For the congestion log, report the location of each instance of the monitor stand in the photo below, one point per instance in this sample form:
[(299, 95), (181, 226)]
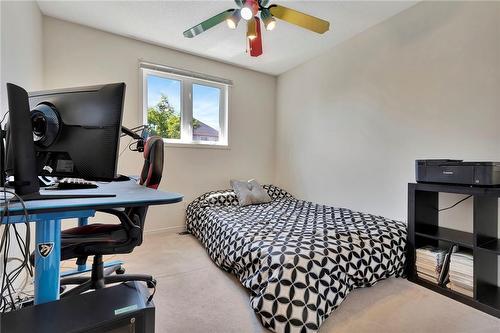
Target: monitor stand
[(121, 178)]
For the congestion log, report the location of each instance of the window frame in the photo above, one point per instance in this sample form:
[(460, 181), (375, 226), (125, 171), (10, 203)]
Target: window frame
[(186, 112)]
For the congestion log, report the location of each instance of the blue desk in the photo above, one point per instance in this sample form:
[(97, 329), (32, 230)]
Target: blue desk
[(47, 214)]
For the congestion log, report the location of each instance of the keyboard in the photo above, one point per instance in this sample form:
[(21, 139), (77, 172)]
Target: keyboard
[(75, 184)]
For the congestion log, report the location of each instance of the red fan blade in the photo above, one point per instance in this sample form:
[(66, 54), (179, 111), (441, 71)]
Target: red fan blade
[(256, 43)]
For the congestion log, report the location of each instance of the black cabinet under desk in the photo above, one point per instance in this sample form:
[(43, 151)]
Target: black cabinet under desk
[(483, 242)]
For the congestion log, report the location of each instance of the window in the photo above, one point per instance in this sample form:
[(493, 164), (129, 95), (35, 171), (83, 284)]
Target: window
[(184, 109)]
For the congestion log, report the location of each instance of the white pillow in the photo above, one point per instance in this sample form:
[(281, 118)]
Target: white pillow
[(250, 192)]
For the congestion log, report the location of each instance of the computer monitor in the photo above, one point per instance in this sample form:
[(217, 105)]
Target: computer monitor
[(76, 131)]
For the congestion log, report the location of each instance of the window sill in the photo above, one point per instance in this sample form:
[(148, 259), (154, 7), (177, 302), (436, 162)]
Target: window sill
[(196, 145)]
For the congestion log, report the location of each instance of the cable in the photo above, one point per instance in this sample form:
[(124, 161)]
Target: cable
[(3, 118), (130, 146), (456, 204), (25, 281), (150, 298), (5, 246), (10, 297), (125, 148)]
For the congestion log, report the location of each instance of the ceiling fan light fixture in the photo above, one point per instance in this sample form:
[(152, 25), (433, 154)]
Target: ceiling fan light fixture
[(246, 13), (271, 24), (252, 29), (249, 10), (233, 20), (268, 19)]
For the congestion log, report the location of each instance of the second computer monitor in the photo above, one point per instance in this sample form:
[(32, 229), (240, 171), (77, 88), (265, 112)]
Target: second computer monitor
[(77, 131)]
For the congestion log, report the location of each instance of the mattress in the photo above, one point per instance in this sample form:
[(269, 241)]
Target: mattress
[(298, 259)]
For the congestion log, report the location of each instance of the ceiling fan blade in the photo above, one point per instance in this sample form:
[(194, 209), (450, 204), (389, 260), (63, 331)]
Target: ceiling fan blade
[(264, 3), (240, 3), (207, 24), (302, 20), (256, 43)]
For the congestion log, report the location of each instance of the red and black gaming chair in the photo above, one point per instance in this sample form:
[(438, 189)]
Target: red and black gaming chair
[(99, 239)]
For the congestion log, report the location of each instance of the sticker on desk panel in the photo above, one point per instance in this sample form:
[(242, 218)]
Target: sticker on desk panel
[(45, 249), (126, 309)]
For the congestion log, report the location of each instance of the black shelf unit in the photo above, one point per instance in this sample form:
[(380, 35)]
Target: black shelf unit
[(483, 242)]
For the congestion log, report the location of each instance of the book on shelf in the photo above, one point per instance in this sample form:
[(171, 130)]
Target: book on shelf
[(459, 289), (464, 285), (429, 261), (427, 277), (461, 273)]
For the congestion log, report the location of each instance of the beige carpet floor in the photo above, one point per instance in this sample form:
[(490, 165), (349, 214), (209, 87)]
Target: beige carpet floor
[(196, 296)]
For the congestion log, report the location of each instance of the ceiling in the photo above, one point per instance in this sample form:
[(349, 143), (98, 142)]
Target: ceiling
[(162, 23)]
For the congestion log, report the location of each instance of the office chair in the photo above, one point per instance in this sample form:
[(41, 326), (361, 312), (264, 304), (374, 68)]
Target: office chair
[(98, 239)]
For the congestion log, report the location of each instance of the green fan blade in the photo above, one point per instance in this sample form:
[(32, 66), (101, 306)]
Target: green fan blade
[(264, 3), (240, 3), (207, 24)]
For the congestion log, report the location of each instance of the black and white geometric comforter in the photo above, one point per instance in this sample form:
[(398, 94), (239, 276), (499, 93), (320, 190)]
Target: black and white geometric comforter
[(298, 259)]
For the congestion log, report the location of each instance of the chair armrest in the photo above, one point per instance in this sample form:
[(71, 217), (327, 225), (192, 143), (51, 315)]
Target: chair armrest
[(122, 216)]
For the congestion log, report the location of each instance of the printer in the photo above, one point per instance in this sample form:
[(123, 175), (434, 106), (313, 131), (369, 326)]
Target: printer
[(458, 172)]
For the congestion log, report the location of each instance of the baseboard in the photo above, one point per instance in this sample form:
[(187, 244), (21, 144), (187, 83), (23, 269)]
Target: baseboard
[(167, 230)]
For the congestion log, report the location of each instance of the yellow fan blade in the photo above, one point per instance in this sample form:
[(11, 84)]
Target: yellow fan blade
[(302, 20)]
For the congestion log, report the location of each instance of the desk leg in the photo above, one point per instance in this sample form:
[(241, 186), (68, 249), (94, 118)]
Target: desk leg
[(82, 221), (47, 260)]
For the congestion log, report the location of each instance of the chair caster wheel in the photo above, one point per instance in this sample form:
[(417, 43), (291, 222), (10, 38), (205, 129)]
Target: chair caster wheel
[(151, 284), (120, 270)]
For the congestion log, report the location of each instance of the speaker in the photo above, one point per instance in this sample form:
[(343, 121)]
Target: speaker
[(21, 139)]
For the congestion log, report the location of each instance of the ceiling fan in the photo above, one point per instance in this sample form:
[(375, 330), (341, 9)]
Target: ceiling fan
[(249, 11)]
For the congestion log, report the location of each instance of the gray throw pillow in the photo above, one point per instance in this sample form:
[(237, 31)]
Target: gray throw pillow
[(250, 192)]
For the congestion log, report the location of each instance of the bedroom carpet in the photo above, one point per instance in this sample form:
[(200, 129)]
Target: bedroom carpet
[(196, 296)]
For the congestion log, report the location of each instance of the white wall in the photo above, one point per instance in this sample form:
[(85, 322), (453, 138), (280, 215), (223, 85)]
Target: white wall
[(20, 62), (423, 84), (21, 47), (75, 55)]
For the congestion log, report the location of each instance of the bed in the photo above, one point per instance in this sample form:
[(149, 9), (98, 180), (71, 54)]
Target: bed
[(298, 259)]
